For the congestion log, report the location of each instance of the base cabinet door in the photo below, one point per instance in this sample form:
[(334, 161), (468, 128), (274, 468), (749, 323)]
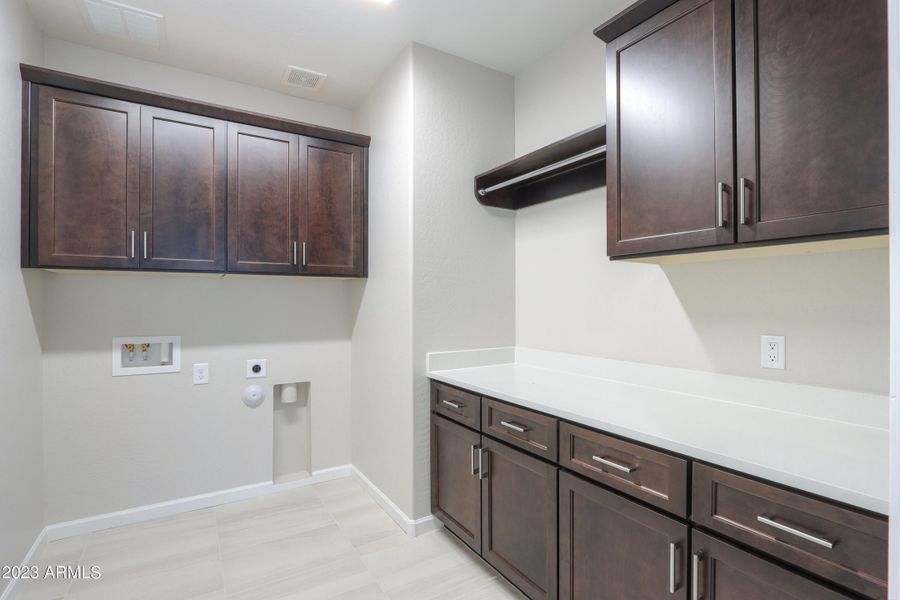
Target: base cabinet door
[(519, 519), (86, 180), (724, 572), (182, 191), (455, 485), (612, 548)]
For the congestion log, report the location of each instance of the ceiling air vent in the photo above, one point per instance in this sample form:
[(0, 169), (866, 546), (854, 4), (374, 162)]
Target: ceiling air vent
[(126, 22), (303, 78)]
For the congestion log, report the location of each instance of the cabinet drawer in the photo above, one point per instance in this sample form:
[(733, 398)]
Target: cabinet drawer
[(520, 427), (837, 543), (649, 475), (463, 407)]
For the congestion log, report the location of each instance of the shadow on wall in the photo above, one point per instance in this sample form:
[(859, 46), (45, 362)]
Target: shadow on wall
[(832, 307), (83, 311)]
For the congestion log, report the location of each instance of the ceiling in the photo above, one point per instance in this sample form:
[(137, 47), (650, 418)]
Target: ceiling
[(353, 41)]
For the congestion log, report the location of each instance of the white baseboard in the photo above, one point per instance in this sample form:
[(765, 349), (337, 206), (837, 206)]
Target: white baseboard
[(39, 541), (149, 512), (412, 527)]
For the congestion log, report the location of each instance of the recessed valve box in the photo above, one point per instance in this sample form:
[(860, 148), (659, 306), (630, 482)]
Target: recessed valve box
[(146, 355)]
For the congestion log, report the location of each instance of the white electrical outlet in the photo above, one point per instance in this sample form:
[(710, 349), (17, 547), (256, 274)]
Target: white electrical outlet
[(201, 373), (256, 368), (772, 352)]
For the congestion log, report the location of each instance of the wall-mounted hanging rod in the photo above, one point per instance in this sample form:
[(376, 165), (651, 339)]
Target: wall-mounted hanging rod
[(542, 170)]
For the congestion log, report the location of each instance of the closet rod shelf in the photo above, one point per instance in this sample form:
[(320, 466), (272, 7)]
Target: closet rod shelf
[(571, 165)]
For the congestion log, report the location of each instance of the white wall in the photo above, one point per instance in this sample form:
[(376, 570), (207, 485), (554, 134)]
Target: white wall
[(112, 444), (382, 335), (21, 452), (463, 252), (108, 66), (441, 266), (833, 308)]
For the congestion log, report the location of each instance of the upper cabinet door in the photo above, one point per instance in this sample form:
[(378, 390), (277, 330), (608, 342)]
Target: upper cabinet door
[(670, 131), (263, 200), (182, 191), (812, 117), (86, 180), (333, 220)]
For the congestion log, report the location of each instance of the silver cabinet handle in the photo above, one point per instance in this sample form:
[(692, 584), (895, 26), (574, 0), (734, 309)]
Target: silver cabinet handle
[(514, 426), (673, 549), (474, 449), (145, 245), (481, 471), (613, 464), (132, 243), (720, 207), (695, 575), (304, 254), (294, 259), (742, 201), (800, 534), (451, 404)]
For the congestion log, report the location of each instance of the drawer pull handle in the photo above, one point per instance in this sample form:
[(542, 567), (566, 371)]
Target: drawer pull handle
[(673, 550), (696, 559), (800, 534), (452, 404), (514, 426), (613, 464)]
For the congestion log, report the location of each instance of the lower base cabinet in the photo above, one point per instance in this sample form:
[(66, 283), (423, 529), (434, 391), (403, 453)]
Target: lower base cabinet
[(518, 518), (611, 548), (455, 484), (724, 572)]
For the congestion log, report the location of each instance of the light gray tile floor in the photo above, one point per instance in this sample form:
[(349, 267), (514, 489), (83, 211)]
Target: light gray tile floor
[(328, 541)]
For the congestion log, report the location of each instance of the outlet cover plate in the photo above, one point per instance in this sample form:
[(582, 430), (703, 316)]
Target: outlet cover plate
[(261, 372), (201, 373), (772, 351)]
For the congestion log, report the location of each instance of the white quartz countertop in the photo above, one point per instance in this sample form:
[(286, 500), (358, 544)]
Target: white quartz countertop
[(828, 442)]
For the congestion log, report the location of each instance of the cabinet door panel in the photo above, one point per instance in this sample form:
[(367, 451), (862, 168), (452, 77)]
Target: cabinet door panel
[(727, 573), (263, 200), (812, 116), (611, 548), (332, 222), (669, 91), (87, 180), (455, 487), (182, 191), (519, 520)]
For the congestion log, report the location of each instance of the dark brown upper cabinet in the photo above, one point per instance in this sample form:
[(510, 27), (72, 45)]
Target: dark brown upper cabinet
[(669, 137), (766, 125), (119, 178), (85, 157), (332, 211), (263, 200), (182, 191), (812, 117)]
